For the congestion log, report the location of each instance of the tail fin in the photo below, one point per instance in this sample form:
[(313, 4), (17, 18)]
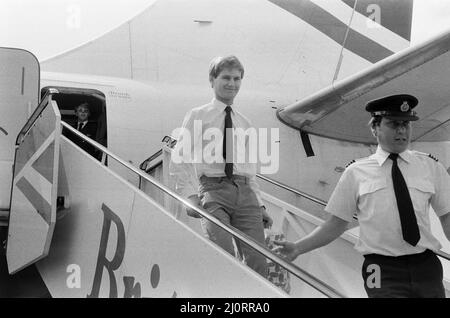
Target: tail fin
[(371, 29), (395, 15), (386, 31)]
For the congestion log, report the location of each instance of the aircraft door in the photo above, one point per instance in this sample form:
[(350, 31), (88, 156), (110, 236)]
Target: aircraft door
[(35, 182), (19, 94)]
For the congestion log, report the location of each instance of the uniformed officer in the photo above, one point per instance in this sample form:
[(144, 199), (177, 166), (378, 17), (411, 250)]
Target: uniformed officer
[(391, 191)]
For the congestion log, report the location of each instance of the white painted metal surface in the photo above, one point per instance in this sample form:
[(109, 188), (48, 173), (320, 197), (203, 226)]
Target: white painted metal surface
[(19, 93), (338, 111), (33, 205), (122, 243)]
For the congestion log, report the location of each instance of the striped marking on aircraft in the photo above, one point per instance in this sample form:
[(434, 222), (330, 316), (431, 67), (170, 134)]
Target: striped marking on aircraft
[(34, 185), (335, 29), (360, 23)]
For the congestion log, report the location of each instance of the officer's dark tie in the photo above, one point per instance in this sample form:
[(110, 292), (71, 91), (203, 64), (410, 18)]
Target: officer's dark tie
[(79, 126), (228, 144), (410, 229)]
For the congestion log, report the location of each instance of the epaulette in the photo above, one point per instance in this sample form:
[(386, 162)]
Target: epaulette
[(429, 155), (433, 157), (348, 164)]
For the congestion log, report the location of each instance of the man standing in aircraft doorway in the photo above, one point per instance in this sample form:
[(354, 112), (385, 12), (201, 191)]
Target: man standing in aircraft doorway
[(86, 127), (227, 189), (391, 191)]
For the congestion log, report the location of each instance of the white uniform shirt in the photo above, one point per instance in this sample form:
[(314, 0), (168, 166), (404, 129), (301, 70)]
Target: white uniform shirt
[(211, 115), (366, 188)]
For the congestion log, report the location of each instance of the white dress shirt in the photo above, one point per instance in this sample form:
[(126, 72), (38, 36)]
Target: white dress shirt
[(366, 188), (197, 122)]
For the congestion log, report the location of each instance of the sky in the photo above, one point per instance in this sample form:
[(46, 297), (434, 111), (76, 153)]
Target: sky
[(430, 17), (35, 24), (38, 23)]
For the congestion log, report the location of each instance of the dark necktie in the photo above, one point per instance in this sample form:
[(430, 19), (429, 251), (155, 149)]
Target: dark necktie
[(79, 126), (228, 144), (410, 229)]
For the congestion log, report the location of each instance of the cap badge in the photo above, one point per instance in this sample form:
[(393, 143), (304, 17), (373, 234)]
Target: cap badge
[(404, 107)]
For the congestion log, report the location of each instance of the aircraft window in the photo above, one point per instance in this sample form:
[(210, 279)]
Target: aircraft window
[(69, 98)]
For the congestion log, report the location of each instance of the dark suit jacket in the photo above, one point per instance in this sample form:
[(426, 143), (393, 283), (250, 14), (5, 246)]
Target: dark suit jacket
[(90, 130)]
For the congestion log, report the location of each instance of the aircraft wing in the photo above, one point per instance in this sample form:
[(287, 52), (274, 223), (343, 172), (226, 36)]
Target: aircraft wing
[(338, 111)]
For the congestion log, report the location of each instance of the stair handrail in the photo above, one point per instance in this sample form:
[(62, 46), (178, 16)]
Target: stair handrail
[(440, 253), (36, 113), (304, 276), (290, 189)]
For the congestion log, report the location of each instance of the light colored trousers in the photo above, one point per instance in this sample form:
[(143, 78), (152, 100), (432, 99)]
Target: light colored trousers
[(233, 202)]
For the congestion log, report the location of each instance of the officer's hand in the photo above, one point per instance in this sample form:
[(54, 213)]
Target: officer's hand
[(267, 220), (195, 200), (287, 250)]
